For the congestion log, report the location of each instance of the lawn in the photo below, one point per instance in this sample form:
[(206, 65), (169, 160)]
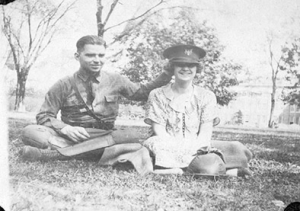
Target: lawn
[(82, 185)]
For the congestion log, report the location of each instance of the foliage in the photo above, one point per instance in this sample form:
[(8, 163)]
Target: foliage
[(144, 47), (237, 119), (83, 185), (291, 58)]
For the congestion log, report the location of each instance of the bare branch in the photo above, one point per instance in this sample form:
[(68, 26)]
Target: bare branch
[(143, 20), (19, 43), (40, 50), (46, 28), (28, 14), (45, 20), (135, 18), (7, 32), (62, 14), (113, 5)]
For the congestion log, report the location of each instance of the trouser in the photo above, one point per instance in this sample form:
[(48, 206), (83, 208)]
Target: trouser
[(119, 145), (44, 137)]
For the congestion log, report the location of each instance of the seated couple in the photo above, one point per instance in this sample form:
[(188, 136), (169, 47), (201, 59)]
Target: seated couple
[(181, 116)]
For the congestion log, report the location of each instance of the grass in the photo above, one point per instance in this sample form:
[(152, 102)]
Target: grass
[(83, 185)]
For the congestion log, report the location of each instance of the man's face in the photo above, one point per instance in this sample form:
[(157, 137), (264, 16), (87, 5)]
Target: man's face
[(91, 58), (185, 71)]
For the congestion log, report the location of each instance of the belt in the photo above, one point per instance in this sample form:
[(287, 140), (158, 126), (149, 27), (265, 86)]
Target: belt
[(97, 125)]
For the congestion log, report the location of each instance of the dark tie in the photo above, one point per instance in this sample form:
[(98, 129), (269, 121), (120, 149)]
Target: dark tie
[(90, 90)]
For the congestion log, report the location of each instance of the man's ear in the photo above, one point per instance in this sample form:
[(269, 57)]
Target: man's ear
[(76, 55)]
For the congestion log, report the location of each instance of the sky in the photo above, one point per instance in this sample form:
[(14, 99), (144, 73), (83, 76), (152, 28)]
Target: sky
[(241, 25)]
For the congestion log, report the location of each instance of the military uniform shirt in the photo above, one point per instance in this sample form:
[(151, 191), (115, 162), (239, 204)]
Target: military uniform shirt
[(101, 93)]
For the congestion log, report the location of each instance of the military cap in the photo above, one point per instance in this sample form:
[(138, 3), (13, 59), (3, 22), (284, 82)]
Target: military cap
[(184, 53)]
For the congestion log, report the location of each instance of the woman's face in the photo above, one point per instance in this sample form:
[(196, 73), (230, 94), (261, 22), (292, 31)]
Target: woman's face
[(185, 71)]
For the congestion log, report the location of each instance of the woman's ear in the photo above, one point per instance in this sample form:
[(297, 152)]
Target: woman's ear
[(199, 68)]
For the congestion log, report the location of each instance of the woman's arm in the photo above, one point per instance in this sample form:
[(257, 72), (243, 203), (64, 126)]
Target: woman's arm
[(206, 122), (160, 130), (205, 134)]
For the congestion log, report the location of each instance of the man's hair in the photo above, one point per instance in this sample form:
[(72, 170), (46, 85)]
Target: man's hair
[(89, 40)]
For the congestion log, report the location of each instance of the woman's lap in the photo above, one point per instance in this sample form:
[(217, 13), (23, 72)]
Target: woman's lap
[(235, 154)]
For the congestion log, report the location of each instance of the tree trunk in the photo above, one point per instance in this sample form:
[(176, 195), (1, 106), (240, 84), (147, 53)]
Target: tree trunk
[(100, 25), (270, 124), (20, 90), (273, 94)]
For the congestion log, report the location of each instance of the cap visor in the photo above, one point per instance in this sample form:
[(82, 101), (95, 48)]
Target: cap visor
[(184, 61)]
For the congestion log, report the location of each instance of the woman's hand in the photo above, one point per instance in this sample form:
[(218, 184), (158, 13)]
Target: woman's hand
[(160, 130), (76, 134)]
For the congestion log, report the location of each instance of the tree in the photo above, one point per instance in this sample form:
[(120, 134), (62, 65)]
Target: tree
[(291, 58), (29, 32), (275, 64), (285, 61), (102, 23), (145, 44)]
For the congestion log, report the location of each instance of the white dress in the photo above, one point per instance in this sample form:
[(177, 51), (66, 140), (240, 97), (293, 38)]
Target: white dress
[(182, 117)]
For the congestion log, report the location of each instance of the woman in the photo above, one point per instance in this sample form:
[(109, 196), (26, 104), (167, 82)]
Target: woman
[(181, 115)]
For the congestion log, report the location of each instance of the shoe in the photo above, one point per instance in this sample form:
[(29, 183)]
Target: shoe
[(244, 172), (30, 153), (33, 154)]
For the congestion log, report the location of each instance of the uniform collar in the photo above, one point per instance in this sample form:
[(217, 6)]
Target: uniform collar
[(84, 75)]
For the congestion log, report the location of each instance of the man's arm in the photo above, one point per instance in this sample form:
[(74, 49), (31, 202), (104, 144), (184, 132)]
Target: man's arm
[(52, 104), (139, 92), (163, 79), (48, 115)]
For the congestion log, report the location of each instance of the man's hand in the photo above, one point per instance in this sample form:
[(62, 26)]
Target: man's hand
[(76, 134), (168, 70)]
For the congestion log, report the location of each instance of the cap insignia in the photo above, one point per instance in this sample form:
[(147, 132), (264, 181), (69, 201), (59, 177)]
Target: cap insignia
[(188, 52)]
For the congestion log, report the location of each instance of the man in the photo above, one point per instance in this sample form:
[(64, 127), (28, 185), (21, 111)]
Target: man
[(88, 102)]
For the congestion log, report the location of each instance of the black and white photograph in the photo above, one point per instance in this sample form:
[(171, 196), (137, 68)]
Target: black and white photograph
[(163, 105)]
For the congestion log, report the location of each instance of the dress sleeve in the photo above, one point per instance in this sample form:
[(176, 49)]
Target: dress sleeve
[(155, 108), (208, 108)]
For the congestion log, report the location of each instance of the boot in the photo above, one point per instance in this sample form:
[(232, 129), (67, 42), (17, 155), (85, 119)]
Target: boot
[(33, 154)]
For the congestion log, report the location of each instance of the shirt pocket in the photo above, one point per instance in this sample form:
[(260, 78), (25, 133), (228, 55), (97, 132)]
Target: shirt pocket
[(111, 105), (111, 98), (72, 100)]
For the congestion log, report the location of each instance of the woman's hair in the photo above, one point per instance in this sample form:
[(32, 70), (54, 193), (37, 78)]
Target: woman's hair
[(170, 67), (89, 40)]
